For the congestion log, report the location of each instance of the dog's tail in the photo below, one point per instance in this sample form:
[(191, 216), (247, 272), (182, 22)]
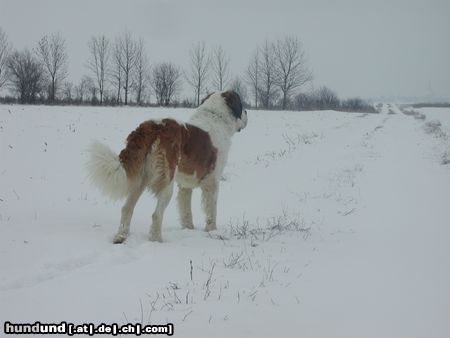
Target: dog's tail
[(116, 175), (106, 171)]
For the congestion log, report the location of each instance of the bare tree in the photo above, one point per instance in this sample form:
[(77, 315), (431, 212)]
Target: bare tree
[(125, 59), (320, 99), (5, 49), (82, 88), (166, 82), (141, 72), (67, 91), (200, 63), (267, 89), (239, 87), (91, 89), (220, 68), (53, 55), (291, 71), (356, 104), (116, 78), (253, 74), (26, 75), (327, 98), (98, 62)]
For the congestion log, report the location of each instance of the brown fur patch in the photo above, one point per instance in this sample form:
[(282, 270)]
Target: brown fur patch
[(198, 155), (184, 146), (138, 144)]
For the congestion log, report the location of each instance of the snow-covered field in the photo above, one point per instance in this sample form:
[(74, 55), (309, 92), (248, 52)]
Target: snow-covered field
[(330, 225)]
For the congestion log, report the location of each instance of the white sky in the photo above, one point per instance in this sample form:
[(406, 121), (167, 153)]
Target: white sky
[(366, 48)]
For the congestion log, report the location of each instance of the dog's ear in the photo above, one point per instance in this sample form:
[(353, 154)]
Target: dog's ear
[(206, 98), (233, 101)]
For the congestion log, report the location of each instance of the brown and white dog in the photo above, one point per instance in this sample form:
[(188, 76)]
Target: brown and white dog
[(158, 153)]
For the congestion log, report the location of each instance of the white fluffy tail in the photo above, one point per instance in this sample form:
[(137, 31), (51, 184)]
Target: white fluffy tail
[(106, 171)]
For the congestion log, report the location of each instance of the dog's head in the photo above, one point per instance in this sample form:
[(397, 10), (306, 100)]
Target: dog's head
[(232, 101)]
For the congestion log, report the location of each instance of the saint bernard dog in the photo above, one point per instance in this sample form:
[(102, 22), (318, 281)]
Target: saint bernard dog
[(159, 153)]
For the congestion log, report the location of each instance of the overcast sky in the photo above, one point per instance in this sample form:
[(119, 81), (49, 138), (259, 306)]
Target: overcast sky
[(367, 48)]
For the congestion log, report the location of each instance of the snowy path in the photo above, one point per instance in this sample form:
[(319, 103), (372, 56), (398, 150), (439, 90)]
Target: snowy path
[(391, 278), (331, 225)]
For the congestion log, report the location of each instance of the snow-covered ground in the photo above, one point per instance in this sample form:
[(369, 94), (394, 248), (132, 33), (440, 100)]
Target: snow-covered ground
[(330, 224)]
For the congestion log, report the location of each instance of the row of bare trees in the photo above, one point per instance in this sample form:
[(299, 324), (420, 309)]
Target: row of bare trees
[(120, 68), (205, 66), (125, 66), (324, 98), (30, 73), (276, 71)]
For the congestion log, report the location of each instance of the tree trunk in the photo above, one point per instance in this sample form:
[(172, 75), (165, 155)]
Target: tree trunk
[(126, 89), (118, 91), (52, 94)]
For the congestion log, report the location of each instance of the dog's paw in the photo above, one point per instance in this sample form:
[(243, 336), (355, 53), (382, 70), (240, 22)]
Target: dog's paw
[(119, 238), (210, 227), (155, 238)]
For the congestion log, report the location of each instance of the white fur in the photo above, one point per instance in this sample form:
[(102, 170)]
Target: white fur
[(106, 171), (214, 117), (210, 192)]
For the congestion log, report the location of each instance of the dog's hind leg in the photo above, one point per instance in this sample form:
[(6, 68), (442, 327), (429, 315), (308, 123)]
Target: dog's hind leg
[(163, 197), (184, 207), (127, 213)]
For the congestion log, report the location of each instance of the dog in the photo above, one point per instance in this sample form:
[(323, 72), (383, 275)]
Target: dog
[(159, 153)]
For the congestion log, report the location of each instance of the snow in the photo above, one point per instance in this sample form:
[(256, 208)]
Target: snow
[(331, 224)]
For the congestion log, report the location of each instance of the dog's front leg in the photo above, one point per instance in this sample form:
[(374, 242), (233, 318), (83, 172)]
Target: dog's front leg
[(209, 202)]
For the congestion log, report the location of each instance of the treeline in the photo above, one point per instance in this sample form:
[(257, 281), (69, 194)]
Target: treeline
[(431, 104), (325, 99), (119, 72)]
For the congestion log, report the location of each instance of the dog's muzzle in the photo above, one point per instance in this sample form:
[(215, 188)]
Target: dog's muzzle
[(243, 121)]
